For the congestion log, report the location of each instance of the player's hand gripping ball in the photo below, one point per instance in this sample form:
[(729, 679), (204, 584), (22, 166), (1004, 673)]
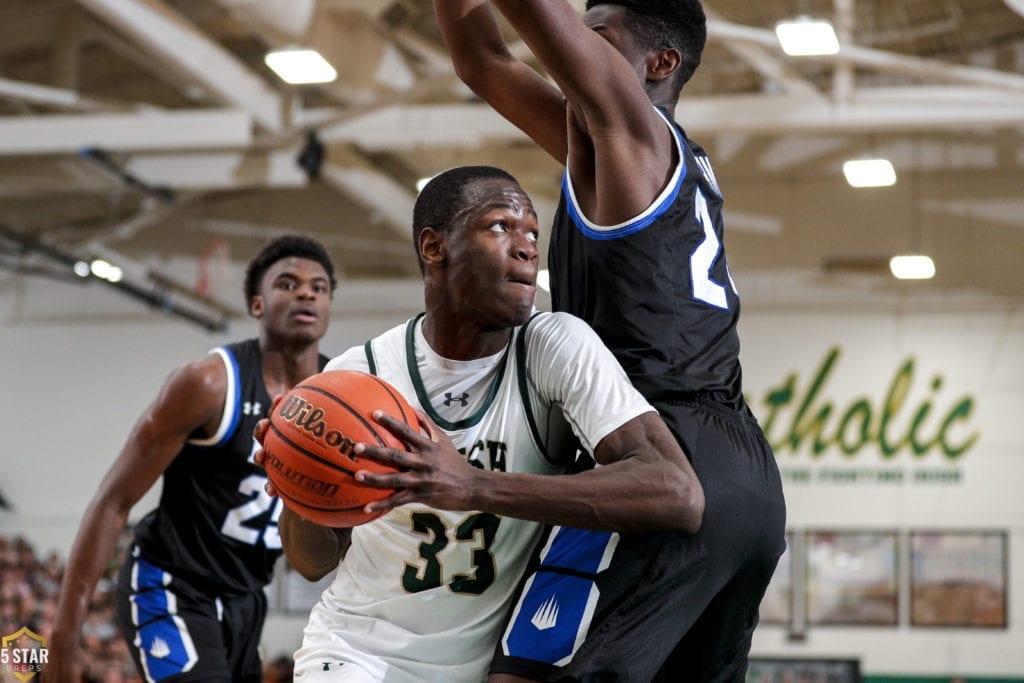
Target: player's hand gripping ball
[(308, 447)]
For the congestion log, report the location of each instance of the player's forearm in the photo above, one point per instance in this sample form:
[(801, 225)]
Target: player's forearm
[(552, 29), (631, 495), (313, 550), (91, 552), (472, 35), (485, 64), (586, 68)]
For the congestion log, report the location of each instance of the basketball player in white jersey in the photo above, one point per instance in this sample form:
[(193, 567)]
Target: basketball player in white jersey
[(422, 592)]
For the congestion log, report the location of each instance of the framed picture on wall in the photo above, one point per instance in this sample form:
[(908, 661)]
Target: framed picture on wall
[(852, 578), (792, 670), (958, 579), (776, 606)]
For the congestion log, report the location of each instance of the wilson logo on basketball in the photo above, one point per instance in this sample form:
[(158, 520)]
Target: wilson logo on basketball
[(309, 448), (310, 419)]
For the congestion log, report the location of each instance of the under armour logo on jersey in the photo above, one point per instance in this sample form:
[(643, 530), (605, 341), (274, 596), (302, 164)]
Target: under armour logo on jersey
[(546, 615), (463, 400), (252, 408)]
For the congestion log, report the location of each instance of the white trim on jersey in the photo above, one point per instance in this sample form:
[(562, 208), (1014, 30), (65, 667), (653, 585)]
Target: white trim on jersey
[(227, 418), (671, 188)]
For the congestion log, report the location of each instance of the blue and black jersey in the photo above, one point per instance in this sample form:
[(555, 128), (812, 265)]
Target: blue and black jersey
[(216, 527), (657, 288)]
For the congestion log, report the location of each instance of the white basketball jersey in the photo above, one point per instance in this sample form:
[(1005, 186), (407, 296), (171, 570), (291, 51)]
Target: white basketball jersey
[(422, 593)]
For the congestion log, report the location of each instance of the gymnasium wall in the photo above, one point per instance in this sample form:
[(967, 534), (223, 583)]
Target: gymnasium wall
[(890, 417), (898, 436), (80, 363)]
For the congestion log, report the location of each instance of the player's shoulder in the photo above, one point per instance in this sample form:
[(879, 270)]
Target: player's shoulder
[(557, 324), (353, 358), (202, 380), (237, 358), (559, 335)]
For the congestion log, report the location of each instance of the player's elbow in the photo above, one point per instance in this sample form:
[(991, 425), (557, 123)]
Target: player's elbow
[(310, 573), (311, 566), (485, 73), (694, 507), (475, 79), (688, 496), (464, 70)]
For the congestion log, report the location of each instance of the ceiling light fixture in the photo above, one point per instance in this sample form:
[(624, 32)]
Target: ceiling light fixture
[(105, 270), (806, 36), (869, 172), (300, 66), (912, 267)]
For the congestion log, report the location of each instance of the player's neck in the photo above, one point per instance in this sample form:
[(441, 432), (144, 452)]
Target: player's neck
[(661, 96), (457, 339), (285, 366)]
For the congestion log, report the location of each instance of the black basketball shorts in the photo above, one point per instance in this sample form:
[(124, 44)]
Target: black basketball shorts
[(178, 633), (600, 606)]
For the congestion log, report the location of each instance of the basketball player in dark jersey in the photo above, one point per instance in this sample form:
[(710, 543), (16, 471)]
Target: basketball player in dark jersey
[(637, 251), (190, 594)]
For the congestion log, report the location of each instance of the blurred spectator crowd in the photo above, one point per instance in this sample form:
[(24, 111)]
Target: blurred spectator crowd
[(28, 598), (29, 586)]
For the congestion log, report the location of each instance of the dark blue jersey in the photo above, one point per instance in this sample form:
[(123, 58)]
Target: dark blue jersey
[(657, 288), (215, 526)]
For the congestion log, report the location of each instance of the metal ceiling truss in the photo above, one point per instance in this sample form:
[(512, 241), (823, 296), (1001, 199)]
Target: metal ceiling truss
[(153, 289), (253, 135)]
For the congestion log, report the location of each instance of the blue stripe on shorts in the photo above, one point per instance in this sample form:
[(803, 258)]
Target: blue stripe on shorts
[(556, 608), (161, 635)]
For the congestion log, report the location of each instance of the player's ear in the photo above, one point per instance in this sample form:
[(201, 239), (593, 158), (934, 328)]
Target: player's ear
[(256, 306), (433, 248), (663, 63)]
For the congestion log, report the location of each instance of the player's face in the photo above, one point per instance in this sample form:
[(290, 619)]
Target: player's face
[(608, 21), (492, 255), (294, 299)]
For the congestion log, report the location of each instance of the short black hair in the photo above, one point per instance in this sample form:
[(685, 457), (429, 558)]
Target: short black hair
[(661, 24), (443, 197), (286, 246)]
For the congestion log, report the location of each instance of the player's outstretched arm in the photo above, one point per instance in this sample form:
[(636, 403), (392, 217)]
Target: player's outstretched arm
[(483, 62), (191, 398), (593, 75), (621, 154), (646, 482)]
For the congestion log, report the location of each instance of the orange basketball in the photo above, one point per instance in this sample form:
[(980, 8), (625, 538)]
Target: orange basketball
[(308, 448)]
